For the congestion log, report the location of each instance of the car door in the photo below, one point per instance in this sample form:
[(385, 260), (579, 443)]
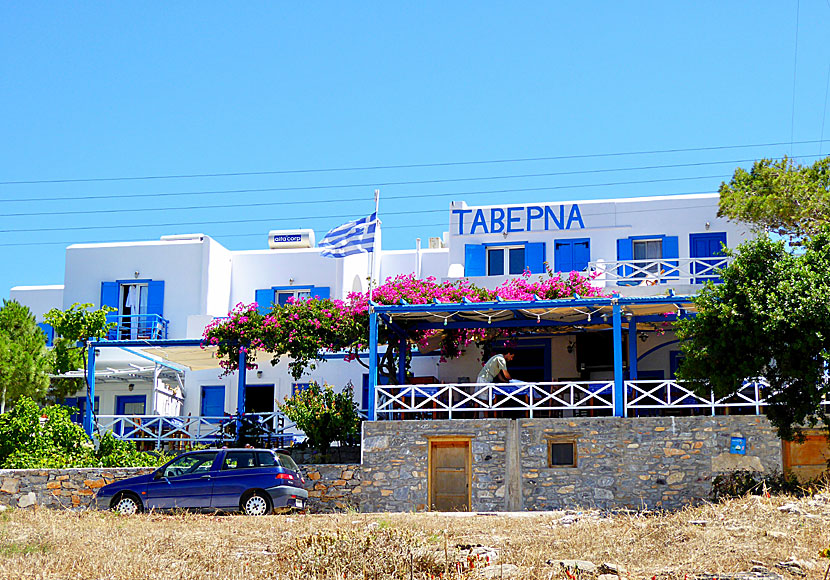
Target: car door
[(238, 473), (185, 482)]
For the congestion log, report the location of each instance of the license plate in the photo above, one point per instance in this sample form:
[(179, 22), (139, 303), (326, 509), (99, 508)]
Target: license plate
[(298, 503)]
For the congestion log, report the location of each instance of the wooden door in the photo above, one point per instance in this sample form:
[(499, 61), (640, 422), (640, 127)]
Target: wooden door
[(807, 460), (449, 481)]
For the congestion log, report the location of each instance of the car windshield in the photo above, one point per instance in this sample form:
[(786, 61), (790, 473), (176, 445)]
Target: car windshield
[(191, 463)]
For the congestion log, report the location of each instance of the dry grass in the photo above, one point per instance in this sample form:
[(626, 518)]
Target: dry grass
[(723, 538)]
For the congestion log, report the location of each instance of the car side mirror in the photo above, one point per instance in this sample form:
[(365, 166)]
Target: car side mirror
[(157, 474)]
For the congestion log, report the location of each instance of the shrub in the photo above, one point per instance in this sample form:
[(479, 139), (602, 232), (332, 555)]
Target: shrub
[(35, 437), (744, 482), (324, 415)]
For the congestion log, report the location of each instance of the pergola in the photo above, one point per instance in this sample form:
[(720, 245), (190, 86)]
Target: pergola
[(561, 316)]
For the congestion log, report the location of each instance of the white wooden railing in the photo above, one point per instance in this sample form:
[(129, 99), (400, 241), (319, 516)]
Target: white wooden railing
[(664, 271), (447, 401), (658, 395), (184, 430)]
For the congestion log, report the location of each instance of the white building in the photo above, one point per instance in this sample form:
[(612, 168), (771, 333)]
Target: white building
[(172, 288)]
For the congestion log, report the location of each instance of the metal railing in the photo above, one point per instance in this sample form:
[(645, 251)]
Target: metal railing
[(663, 271), (656, 395), (137, 326), (194, 430), (448, 401)]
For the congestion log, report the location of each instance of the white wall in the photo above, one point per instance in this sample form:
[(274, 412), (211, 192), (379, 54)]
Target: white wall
[(179, 263), (39, 299)]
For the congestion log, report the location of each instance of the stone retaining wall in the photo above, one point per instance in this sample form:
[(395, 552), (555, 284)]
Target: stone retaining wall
[(654, 462), (330, 487)]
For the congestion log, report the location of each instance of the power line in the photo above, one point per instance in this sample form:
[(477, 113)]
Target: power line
[(399, 166), (357, 199), (386, 227), (391, 183)]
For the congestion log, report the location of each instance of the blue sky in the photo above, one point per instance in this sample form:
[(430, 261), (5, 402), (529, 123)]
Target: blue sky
[(111, 90)]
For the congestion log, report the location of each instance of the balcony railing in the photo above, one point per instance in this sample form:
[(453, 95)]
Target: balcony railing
[(653, 272), (466, 400), (137, 327), (578, 398), (184, 431)]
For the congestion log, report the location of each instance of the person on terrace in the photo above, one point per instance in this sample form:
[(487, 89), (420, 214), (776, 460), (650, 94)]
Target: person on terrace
[(495, 369)]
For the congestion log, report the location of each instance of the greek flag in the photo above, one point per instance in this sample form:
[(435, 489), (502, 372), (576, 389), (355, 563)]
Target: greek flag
[(351, 238)]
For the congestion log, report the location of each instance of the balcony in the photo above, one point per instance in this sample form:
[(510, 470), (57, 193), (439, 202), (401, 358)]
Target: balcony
[(675, 271), (137, 327), (561, 399)]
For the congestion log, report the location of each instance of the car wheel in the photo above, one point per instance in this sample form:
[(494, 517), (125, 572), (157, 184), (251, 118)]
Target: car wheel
[(126, 505), (257, 504)]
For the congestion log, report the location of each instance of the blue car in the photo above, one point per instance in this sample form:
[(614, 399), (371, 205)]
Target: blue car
[(252, 481)]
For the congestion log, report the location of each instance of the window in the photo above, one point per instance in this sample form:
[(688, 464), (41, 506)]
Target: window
[(645, 250), (508, 260), (561, 452), (239, 460), (139, 306), (193, 463), (282, 297)]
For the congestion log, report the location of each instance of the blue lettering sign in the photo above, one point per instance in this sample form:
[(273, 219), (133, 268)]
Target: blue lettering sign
[(549, 215), (460, 213), (496, 220), (513, 220), (479, 221), (534, 212), (519, 219), (575, 216)]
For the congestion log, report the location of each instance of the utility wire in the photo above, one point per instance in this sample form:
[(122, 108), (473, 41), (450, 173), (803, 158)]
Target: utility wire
[(391, 183), (356, 199), (399, 166)]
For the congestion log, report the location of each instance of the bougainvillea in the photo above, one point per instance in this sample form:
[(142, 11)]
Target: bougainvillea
[(305, 330)]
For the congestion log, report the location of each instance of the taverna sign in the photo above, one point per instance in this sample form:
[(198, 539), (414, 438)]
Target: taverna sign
[(531, 218)]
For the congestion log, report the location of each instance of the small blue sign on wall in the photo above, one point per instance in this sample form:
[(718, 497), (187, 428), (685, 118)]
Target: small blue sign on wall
[(738, 446)]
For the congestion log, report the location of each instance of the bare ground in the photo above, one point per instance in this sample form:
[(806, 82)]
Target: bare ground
[(724, 538)]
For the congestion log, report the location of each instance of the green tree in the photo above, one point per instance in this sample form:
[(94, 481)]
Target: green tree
[(73, 328), (23, 355), (769, 318), (781, 196), (323, 415)]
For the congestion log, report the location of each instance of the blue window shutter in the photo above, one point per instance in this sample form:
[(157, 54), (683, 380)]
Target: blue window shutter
[(264, 300), (321, 292), (109, 294), (535, 257), (581, 254), (563, 255), (213, 401), (475, 260), (625, 251), (155, 297), (671, 250), (48, 331)]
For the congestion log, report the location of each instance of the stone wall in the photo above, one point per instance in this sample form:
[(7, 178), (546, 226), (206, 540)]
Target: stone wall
[(330, 487), (655, 462), (58, 488), (395, 462)]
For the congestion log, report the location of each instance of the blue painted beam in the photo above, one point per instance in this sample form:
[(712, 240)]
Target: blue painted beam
[(632, 349), (619, 385), (240, 382), (89, 423), (402, 346), (373, 361), (467, 305)]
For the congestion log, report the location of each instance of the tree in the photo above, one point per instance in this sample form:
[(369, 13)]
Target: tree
[(73, 328), (323, 415), (23, 355), (769, 318), (781, 196)]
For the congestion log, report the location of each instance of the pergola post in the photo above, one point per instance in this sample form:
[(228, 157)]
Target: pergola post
[(373, 361), (240, 380), (89, 423), (632, 349), (619, 384), (402, 352)]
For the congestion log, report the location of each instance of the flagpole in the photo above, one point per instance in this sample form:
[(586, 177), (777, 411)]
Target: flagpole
[(374, 242)]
